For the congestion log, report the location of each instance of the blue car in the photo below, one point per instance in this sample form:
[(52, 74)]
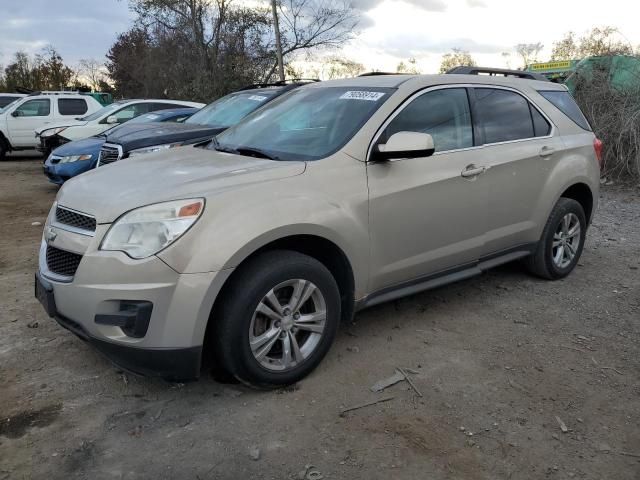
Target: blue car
[(74, 158)]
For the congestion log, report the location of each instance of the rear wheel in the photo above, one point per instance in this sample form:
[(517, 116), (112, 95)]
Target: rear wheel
[(562, 241), (278, 320)]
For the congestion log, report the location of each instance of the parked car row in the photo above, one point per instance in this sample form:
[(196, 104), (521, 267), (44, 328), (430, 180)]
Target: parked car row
[(79, 156), (315, 201), (148, 134)]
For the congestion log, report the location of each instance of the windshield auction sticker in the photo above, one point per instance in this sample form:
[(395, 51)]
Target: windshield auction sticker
[(257, 98), (360, 95)]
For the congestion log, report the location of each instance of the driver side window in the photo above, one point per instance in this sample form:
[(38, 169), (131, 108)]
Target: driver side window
[(34, 108), (444, 114), (131, 111)]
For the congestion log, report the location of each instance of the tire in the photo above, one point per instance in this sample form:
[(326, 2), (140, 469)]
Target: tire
[(4, 148), (547, 261), (238, 321)]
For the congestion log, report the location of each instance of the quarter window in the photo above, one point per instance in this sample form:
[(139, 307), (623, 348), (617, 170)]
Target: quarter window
[(564, 102), (444, 114), (541, 127), (72, 106), (505, 115), (34, 108)]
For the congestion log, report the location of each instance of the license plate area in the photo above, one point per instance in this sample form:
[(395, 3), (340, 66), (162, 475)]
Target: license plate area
[(44, 294)]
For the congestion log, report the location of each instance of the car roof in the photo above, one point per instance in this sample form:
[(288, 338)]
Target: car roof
[(417, 81)]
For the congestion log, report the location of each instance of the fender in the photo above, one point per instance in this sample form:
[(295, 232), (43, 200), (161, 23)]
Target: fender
[(577, 166), (241, 221)]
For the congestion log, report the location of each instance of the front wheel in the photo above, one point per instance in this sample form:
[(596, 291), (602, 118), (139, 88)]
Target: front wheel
[(562, 241), (278, 320), (4, 148)]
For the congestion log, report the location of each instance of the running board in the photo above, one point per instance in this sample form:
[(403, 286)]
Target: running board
[(445, 277)]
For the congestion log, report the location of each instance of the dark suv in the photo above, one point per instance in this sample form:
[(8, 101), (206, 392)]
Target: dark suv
[(202, 126)]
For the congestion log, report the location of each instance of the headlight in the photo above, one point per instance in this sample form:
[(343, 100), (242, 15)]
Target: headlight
[(75, 158), (52, 131), (154, 148), (145, 231)]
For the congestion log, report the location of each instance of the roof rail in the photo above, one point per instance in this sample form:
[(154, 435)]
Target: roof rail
[(463, 70), (375, 74), (279, 83), (57, 92)]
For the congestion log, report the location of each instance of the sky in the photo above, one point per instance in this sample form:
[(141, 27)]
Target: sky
[(390, 30)]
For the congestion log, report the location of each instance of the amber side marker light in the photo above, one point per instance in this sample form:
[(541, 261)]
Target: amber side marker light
[(190, 210)]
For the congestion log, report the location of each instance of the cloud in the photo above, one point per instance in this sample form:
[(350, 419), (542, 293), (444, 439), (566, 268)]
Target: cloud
[(77, 28), (428, 5), (476, 3)]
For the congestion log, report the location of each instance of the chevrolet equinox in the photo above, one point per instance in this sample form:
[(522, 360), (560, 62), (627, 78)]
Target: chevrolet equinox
[(337, 196)]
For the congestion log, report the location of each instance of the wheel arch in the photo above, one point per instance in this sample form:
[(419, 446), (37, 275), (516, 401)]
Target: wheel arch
[(322, 249), (6, 141), (581, 193)]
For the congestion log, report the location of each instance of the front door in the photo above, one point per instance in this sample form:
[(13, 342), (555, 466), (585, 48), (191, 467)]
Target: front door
[(25, 119), (428, 214)]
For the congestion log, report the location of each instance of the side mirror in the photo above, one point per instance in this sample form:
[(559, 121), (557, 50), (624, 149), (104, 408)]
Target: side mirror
[(405, 145), (112, 120), (16, 113)]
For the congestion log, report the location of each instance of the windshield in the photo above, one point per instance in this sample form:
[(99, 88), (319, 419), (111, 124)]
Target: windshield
[(229, 110), (146, 118), (103, 111), (9, 104), (306, 124)]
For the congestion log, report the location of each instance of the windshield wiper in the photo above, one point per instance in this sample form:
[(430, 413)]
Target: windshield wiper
[(220, 148), (255, 152)]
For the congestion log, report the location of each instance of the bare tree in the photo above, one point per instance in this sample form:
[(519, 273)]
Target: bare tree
[(456, 58), (313, 24), (341, 67), (410, 67), (506, 56), (529, 52), (566, 48), (92, 71)]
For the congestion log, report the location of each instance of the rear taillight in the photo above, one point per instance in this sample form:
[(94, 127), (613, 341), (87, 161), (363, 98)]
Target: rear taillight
[(597, 146)]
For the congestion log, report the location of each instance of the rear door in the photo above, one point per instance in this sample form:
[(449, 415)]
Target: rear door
[(26, 118), (519, 151), (425, 216)]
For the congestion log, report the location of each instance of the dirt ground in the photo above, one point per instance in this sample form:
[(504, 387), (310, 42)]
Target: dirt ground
[(500, 360)]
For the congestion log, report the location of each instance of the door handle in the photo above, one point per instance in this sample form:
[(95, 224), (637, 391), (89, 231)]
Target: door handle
[(473, 171), (547, 151)]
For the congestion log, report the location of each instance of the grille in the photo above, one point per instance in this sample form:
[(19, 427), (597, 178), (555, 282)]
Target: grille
[(62, 262), (75, 219), (108, 154)]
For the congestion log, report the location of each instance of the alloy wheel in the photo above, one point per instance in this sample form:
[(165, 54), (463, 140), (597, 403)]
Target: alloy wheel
[(287, 325), (566, 240)]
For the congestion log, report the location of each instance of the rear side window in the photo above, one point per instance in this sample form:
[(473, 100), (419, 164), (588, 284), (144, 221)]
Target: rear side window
[(444, 114), (72, 106), (564, 102), (505, 115)]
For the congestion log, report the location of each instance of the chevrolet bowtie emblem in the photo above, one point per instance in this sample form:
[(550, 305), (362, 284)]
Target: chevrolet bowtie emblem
[(50, 234)]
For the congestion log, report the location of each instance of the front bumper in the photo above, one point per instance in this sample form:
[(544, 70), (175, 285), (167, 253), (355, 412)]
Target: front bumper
[(171, 345), (46, 144), (59, 173)]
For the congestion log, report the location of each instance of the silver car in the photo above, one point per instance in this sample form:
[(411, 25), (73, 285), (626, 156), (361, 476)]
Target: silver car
[(335, 197)]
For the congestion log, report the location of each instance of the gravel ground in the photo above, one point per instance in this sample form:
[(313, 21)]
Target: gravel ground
[(519, 378)]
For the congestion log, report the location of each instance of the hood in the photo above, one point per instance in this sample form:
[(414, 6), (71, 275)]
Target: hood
[(188, 172), (131, 137), (72, 122), (80, 147)]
